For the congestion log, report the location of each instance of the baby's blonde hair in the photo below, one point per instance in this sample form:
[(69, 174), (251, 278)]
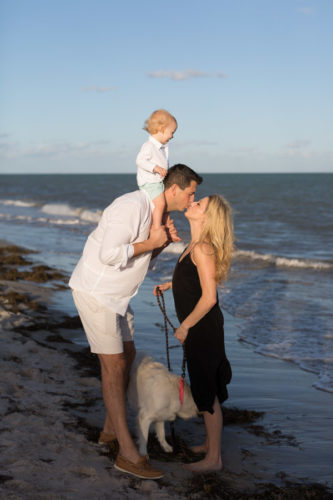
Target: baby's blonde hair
[(158, 120), (218, 232)]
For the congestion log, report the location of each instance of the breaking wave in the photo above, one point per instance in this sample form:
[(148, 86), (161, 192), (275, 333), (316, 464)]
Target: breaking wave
[(282, 261)]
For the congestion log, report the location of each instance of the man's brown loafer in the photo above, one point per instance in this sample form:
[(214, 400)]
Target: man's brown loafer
[(141, 469), (105, 438)]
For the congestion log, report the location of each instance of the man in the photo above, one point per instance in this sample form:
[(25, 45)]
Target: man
[(114, 263)]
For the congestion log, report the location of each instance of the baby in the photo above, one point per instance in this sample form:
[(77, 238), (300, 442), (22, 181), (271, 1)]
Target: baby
[(152, 161)]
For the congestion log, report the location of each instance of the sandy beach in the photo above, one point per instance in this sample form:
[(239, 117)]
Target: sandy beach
[(277, 440)]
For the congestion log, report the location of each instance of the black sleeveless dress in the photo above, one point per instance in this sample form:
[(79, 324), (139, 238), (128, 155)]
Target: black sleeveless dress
[(208, 367)]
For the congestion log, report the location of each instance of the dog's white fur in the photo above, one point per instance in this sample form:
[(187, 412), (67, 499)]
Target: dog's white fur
[(153, 392)]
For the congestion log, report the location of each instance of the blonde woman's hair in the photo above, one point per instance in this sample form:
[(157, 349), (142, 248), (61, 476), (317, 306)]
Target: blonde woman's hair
[(158, 120), (219, 233)]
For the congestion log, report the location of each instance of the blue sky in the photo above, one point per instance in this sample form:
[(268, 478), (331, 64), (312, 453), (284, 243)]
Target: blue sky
[(249, 81)]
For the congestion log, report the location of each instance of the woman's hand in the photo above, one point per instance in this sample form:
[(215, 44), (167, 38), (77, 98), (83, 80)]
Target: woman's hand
[(181, 334), (162, 288)]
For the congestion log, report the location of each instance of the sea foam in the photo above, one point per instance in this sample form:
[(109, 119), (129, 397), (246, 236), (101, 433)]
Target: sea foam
[(60, 209), (66, 210), (282, 261), (18, 203)]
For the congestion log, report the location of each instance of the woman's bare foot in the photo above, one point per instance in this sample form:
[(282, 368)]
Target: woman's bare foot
[(204, 466), (201, 448)]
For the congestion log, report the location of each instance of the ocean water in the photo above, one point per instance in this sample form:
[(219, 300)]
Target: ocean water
[(281, 281)]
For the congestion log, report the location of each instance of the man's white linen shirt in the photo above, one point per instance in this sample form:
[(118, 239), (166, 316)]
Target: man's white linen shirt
[(106, 269), (152, 154)]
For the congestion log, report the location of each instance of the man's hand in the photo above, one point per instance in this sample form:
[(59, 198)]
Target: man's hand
[(157, 237)]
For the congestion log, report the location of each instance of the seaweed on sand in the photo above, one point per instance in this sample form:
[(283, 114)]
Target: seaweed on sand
[(13, 301), (213, 486), (11, 257)]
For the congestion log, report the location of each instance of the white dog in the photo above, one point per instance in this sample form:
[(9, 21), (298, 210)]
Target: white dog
[(154, 392)]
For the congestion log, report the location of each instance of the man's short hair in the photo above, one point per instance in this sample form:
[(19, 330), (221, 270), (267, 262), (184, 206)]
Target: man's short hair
[(182, 175)]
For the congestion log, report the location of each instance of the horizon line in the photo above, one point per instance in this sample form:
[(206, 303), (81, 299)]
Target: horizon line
[(134, 173)]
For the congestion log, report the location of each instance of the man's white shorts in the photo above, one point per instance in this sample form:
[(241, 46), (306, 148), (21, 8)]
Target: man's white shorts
[(105, 330)]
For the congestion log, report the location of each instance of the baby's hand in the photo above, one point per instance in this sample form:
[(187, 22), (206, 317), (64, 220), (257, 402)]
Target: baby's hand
[(160, 170)]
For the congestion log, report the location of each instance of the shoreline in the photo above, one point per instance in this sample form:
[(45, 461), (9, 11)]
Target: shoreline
[(51, 413)]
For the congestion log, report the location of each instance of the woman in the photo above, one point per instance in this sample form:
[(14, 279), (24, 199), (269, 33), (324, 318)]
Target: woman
[(204, 264)]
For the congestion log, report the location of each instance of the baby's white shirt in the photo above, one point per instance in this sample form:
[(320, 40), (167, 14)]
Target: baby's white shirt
[(152, 154)]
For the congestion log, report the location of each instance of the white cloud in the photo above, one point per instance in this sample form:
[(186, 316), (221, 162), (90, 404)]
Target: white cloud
[(57, 150), (299, 148), (297, 145), (54, 149), (100, 90), (306, 11), (245, 151), (220, 74), (6, 146), (184, 74), (194, 142)]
